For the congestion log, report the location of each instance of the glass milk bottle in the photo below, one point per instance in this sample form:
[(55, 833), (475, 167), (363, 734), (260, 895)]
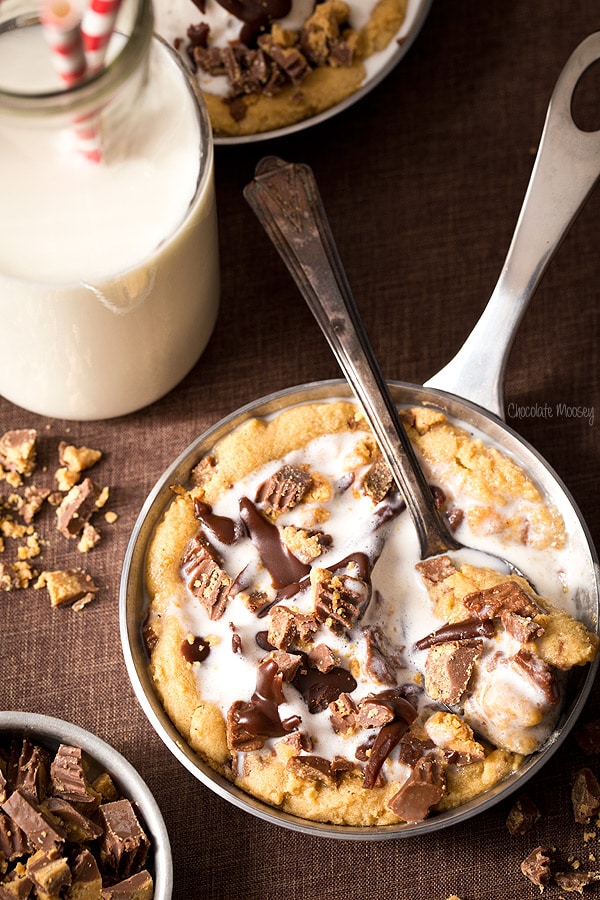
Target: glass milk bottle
[(109, 268)]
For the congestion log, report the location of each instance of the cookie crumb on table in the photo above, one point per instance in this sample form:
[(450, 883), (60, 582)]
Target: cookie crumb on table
[(67, 586), (76, 498)]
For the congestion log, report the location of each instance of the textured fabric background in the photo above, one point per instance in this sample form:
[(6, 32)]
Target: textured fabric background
[(423, 181)]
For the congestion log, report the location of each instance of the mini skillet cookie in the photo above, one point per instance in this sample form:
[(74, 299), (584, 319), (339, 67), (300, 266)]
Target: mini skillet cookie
[(264, 66), (290, 634)]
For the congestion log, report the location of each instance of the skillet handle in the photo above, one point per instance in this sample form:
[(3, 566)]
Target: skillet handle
[(565, 171)]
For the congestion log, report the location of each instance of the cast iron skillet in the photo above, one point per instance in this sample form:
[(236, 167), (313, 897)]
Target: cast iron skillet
[(556, 192)]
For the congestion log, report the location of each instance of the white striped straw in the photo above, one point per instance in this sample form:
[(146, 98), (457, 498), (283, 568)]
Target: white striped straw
[(97, 26), (61, 23), (62, 28)]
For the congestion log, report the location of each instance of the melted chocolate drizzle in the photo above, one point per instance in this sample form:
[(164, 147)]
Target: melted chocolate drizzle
[(388, 509), (458, 631), (387, 738), (389, 735), (319, 689), (362, 562), (223, 528), (284, 568), (260, 715)]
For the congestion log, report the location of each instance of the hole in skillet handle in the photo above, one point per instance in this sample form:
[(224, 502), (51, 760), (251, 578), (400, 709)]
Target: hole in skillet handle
[(585, 103)]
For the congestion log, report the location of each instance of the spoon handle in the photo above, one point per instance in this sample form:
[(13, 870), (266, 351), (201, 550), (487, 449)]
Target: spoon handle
[(286, 200)]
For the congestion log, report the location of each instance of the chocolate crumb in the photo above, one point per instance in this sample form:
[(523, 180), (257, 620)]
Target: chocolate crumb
[(18, 450), (575, 881), (585, 795), (67, 586), (522, 816), (536, 867)]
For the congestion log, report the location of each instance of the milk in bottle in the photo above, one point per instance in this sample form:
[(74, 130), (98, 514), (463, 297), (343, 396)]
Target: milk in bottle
[(109, 271)]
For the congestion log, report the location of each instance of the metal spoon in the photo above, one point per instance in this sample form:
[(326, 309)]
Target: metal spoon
[(286, 200)]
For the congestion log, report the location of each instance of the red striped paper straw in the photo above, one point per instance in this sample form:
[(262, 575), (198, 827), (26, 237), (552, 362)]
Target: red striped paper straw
[(62, 28), (61, 23), (97, 26)]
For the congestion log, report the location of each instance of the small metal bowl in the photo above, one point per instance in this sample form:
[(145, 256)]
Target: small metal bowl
[(49, 733), (133, 604)]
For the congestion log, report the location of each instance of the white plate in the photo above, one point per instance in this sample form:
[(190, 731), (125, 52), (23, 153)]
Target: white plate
[(378, 67)]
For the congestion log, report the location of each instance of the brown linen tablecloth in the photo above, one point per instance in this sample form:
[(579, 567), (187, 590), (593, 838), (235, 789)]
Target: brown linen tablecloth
[(423, 180)]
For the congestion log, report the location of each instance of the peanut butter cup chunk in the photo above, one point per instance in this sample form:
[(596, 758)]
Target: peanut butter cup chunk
[(585, 795), (339, 600), (537, 867), (68, 586), (284, 489), (41, 829), (424, 788), (313, 767), (137, 887), (68, 777), (124, 845), (378, 480), (436, 569), (77, 507), (18, 449), (448, 669), (522, 815), (86, 880), (206, 579), (49, 872)]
